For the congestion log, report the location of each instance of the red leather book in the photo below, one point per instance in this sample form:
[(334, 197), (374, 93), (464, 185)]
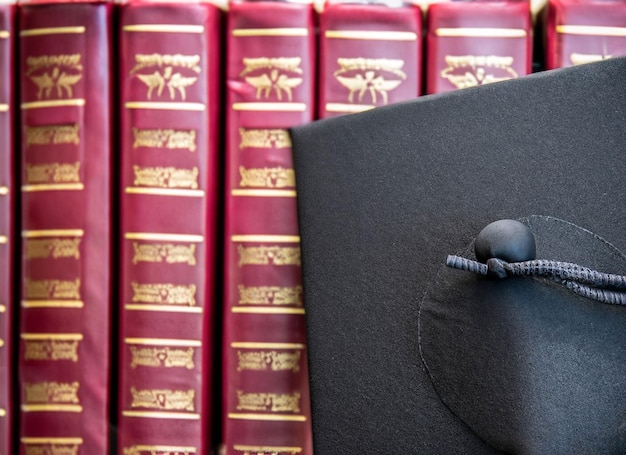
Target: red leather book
[(66, 137), (477, 42), (7, 204), (370, 55), (169, 92), (580, 31), (269, 87)]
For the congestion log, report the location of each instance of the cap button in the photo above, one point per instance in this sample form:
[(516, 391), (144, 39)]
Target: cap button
[(509, 240)]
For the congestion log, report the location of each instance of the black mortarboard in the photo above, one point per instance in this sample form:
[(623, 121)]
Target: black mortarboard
[(409, 356)]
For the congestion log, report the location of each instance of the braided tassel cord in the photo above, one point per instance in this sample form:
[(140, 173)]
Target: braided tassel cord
[(589, 283)]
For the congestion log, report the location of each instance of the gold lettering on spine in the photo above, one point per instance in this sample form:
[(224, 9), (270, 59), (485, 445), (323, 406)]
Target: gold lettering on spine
[(52, 134), (270, 295), (275, 177), (51, 396), (473, 70), (159, 450), (164, 293), (55, 248), (268, 360), (268, 402), (166, 177), (51, 446), (164, 399), (264, 138), (266, 255), (53, 172), (51, 346), (266, 450), (52, 294), (165, 138), (162, 357), (168, 253)]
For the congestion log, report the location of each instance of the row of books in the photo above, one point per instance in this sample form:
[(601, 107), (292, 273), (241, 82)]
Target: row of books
[(151, 295)]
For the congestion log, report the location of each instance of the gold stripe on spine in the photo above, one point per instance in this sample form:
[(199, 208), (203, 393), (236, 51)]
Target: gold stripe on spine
[(591, 30), (264, 449), (52, 336), (163, 342), (3, 308), (52, 304), (4, 34), (268, 417), (53, 233), (162, 415), (165, 192), (4, 190), (3, 239), (371, 35), (270, 107), (4, 107), (27, 440), (348, 108), (164, 28), (1, 342), (248, 32), (51, 408), (264, 193), (266, 238), (481, 32), (53, 31), (267, 310), (162, 308), (264, 345), (53, 103), (53, 187), (160, 449), (163, 237), (198, 107), (3, 412)]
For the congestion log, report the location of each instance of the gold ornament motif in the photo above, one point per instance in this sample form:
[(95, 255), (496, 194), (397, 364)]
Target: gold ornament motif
[(373, 76), (473, 70), (171, 76), (273, 75), (55, 75)]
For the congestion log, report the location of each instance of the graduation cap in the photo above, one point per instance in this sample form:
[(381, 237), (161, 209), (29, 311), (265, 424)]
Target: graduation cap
[(408, 355)]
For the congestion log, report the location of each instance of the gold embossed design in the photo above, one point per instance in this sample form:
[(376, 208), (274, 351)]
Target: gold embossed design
[(266, 255), (170, 139), (53, 173), (55, 248), (51, 446), (163, 399), (164, 293), (164, 252), (376, 77), (169, 73), (473, 70), (269, 75), (55, 75), (51, 396), (140, 449), (268, 402), (52, 134), (268, 361), (52, 294), (266, 450), (267, 177), (158, 357), (270, 295), (264, 138), (51, 346), (166, 177)]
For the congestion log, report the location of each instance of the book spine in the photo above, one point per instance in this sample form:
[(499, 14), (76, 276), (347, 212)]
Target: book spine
[(370, 55), (169, 90), (7, 220), (475, 43), (584, 32), (65, 307), (269, 88)]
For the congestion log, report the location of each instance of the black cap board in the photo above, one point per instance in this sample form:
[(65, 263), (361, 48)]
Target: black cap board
[(409, 356)]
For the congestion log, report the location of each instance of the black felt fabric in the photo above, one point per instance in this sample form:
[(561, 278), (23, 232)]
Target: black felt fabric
[(384, 196)]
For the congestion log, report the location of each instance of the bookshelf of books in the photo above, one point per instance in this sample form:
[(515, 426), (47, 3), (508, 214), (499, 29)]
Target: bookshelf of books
[(151, 300)]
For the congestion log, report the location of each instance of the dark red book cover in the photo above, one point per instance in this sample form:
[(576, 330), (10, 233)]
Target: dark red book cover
[(270, 74), (7, 220), (470, 43), (169, 99), (369, 55), (66, 151), (580, 31)]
